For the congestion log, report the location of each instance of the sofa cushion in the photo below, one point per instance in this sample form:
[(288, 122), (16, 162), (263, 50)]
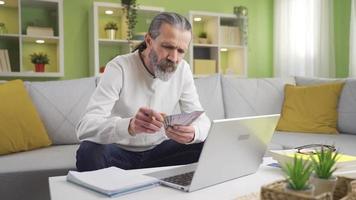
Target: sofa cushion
[(210, 96), (48, 158), (248, 97), (347, 103), (61, 104), (345, 143), (21, 128), (310, 109)]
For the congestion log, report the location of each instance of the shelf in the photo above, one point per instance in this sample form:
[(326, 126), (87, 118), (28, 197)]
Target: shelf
[(18, 15), (12, 44), (9, 15), (118, 41), (232, 46), (204, 45), (9, 35), (223, 53), (102, 49), (47, 40), (31, 74)]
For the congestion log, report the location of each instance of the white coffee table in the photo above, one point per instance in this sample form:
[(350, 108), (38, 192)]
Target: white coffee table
[(61, 189)]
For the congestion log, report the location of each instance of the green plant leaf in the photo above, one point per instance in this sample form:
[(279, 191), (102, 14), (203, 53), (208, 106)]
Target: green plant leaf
[(298, 173)]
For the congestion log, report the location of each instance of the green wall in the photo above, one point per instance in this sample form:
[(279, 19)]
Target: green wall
[(76, 45), (342, 13), (260, 53)]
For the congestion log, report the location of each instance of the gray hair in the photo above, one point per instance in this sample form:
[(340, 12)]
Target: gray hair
[(174, 19)]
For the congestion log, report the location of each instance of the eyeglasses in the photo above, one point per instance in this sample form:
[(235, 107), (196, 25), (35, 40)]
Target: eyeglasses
[(311, 149)]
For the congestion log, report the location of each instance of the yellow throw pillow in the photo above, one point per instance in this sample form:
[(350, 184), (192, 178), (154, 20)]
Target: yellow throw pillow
[(310, 108), (21, 128)]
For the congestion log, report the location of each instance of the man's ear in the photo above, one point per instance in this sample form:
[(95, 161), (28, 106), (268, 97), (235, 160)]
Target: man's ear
[(148, 40)]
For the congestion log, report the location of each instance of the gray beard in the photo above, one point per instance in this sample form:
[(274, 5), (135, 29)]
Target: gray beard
[(163, 76), (163, 70)]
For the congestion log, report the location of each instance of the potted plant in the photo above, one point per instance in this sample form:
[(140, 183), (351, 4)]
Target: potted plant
[(203, 38), (324, 166), (130, 7), (40, 60), (298, 174), (111, 28), (3, 29)]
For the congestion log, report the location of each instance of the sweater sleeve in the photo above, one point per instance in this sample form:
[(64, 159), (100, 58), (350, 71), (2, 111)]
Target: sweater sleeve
[(189, 102), (97, 124)]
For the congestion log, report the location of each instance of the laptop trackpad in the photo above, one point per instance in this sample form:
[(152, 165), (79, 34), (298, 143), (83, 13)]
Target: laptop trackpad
[(172, 172)]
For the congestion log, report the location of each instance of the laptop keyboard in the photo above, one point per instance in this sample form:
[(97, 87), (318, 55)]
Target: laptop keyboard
[(181, 179)]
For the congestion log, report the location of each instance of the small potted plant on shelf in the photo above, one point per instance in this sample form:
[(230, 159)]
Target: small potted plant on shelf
[(203, 38), (3, 29), (324, 162), (298, 174), (111, 28), (40, 60)]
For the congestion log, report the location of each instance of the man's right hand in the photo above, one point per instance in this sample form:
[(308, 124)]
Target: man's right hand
[(146, 120)]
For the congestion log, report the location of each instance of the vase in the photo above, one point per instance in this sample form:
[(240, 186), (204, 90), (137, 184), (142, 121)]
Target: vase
[(203, 40), (111, 34), (309, 191), (101, 69), (323, 185), (39, 67)]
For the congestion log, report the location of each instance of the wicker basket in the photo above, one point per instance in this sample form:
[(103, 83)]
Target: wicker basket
[(343, 187), (275, 191), (352, 193), (350, 196)]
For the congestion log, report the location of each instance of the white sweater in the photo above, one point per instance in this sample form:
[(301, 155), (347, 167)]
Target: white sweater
[(125, 87)]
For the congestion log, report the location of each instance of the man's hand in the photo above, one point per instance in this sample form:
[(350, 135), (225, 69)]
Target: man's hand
[(181, 134), (146, 120)]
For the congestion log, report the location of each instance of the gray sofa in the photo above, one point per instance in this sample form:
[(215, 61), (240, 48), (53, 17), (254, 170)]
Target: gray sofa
[(60, 104)]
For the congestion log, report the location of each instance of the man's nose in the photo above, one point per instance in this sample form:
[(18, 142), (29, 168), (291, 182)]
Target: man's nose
[(173, 56)]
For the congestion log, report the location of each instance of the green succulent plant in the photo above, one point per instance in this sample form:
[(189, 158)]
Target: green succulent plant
[(324, 163), (39, 58), (111, 26), (203, 35), (298, 173)]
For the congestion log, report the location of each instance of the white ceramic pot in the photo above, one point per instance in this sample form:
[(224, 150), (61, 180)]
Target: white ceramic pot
[(309, 191), (203, 40), (111, 34), (323, 185)]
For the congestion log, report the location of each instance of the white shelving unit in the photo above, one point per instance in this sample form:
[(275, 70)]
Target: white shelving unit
[(102, 49), (17, 15), (223, 53)]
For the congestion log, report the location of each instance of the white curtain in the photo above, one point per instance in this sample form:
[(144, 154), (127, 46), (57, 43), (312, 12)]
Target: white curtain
[(352, 71), (304, 38)]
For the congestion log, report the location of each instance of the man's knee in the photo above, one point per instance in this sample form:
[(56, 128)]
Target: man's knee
[(91, 156)]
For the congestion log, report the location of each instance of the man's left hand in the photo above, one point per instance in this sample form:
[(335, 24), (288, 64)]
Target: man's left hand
[(181, 134)]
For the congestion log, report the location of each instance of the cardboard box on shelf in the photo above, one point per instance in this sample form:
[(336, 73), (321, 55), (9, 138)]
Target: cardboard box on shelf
[(39, 31), (204, 66)]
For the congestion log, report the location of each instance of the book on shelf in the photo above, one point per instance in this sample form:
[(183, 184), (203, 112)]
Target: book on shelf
[(230, 35), (345, 163), (7, 59), (112, 181), (4, 61)]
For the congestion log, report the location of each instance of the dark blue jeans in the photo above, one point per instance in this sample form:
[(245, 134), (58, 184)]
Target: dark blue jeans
[(93, 156)]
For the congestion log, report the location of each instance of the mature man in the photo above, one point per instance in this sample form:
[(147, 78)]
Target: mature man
[(123, 123)]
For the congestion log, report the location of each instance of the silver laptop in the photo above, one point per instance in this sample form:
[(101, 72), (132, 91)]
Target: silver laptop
[(233, 148)]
